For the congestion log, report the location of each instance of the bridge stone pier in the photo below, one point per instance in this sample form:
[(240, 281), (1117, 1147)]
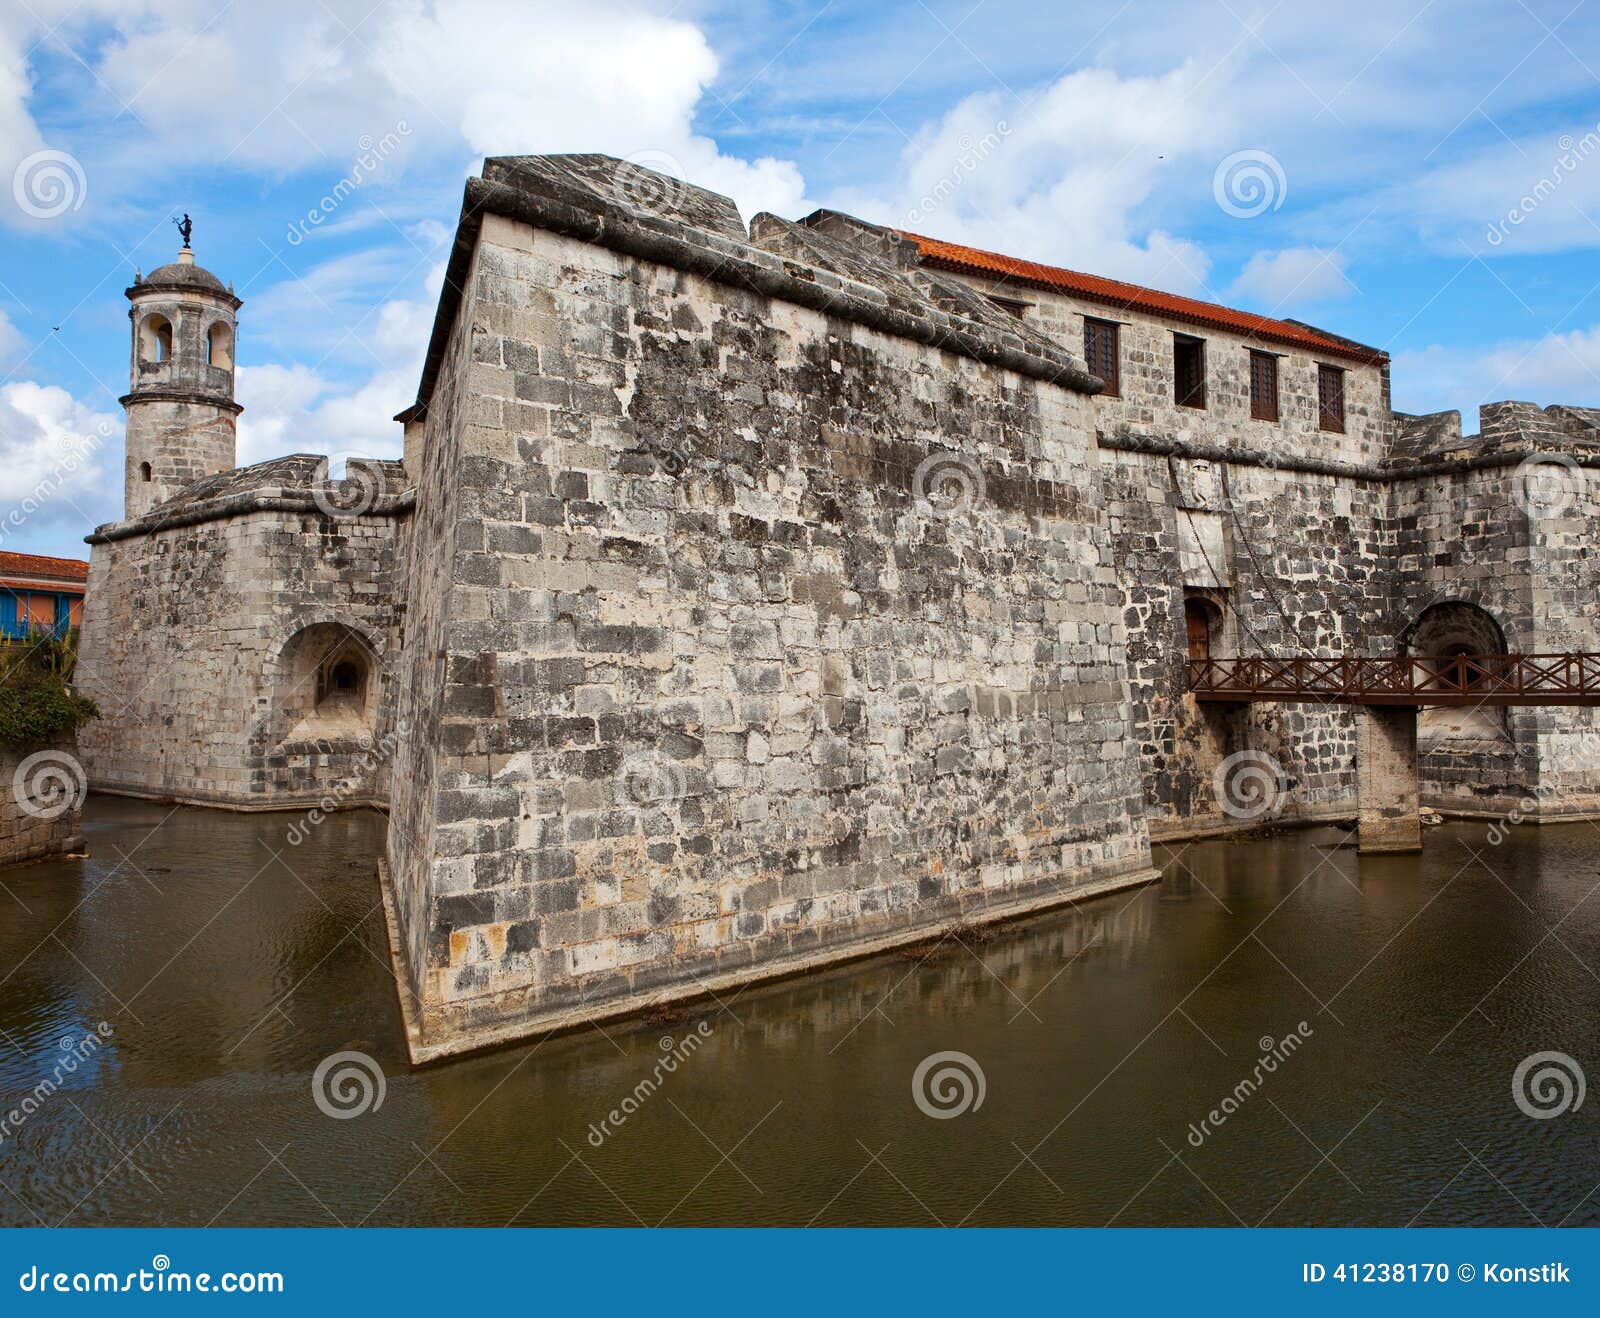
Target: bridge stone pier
[(1388, 819)]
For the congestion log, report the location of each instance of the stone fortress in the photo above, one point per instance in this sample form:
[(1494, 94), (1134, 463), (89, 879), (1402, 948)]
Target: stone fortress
[(749, 599)]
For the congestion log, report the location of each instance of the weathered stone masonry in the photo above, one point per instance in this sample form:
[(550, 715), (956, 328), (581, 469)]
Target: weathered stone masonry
[(720, 692), (747, 600)]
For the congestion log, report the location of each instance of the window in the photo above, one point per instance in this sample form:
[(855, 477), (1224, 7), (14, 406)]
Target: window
[(1188, 371), (219, 345), (1010, 304), (144, 471), (155, 339), (1263, 386), (1330, 399), (1102, 354)]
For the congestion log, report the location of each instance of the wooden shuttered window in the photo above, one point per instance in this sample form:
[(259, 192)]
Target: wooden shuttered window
[(1188, 371), (1263, 386), (1102, 354), (1330, 399)]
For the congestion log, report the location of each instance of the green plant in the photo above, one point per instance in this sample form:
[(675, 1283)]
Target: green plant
[(37, 703)]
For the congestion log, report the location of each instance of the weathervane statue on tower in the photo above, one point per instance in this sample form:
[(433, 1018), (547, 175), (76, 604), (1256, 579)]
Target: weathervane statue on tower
[(185, 227)]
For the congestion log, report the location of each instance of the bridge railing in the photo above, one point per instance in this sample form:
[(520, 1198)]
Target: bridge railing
[(1463, 679)]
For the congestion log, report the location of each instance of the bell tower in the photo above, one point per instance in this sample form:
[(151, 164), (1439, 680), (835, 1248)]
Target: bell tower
[(181, 413)]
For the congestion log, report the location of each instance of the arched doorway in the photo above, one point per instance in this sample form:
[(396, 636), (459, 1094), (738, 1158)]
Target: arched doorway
[(1448, 631), (325, 684), (1203, 625)]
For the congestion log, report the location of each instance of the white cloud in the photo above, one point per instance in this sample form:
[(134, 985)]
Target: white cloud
[(1060, 177), (60, 468), (308, 82), (1276, 282), (1556, 368), (1536, 194), (304, 409), (11, 340)]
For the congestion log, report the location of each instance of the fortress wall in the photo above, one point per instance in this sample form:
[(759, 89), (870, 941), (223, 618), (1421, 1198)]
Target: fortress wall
[(1462, 537), (1299, 555), (433, 737), (720, 697), (1564, 584), (183, 633), (1302, 557)]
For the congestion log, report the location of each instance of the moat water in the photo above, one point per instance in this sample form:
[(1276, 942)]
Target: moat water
[(226, 965)]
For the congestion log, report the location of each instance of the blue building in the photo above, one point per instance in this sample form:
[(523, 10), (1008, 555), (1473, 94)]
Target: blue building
[(40, 594)]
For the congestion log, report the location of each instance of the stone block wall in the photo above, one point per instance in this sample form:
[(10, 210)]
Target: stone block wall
[(722, 692), (1304, 574), (197, 633), (41, 804), (1300, 553), (1146, 404), (180, 441)]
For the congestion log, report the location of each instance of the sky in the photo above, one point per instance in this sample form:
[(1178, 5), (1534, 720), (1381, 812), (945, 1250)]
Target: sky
[(1422, 176)]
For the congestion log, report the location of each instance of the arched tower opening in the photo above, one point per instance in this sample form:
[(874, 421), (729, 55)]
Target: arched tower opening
[(155, 340), (219, 345), (180, 406)]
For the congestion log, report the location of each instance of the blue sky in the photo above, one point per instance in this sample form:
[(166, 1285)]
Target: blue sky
[(1427, 176)]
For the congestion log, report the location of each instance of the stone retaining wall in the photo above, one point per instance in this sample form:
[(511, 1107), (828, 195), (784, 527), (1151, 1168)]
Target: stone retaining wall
[(41, 804)]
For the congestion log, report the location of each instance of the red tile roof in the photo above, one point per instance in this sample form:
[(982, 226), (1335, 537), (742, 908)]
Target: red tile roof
[(40, 566), (1116, 294)]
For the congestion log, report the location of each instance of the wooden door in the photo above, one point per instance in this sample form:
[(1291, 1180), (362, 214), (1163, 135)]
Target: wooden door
[(1199, 630)]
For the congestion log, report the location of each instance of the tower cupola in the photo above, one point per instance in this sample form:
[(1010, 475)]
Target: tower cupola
[(181, 413)]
